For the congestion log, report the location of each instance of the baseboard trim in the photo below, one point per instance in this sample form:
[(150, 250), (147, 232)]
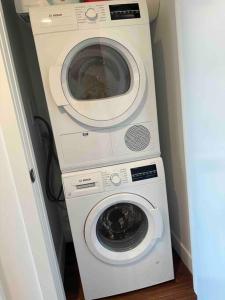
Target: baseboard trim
[(182, 251)]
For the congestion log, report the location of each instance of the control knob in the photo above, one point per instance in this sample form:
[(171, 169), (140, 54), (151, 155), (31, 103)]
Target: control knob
[(115, 179), (91, 14)]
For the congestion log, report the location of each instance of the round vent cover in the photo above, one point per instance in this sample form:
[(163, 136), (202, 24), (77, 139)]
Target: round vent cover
[(137, 138)]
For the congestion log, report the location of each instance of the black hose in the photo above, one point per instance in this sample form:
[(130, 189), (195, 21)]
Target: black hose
[(51, 154)]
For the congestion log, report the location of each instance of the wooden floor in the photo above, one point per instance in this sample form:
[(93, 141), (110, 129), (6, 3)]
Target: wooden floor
[(179, 289)]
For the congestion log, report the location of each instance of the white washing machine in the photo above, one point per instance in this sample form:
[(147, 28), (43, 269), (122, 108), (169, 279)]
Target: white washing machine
[(97, 71), (120, 226)]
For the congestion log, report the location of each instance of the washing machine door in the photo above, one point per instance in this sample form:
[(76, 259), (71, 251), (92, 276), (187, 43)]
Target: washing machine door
[(122, 228), (99, 81)]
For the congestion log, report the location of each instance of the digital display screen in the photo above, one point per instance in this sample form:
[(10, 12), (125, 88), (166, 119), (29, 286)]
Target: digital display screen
[(142, 173), (124, 11)]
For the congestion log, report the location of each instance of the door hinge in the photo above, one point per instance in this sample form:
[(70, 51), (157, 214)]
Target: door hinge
[(32, 175)]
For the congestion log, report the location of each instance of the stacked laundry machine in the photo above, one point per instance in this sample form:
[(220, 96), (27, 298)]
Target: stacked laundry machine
[(96, 64)]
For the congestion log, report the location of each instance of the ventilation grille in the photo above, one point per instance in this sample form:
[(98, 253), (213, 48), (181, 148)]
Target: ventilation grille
[(137, 138)]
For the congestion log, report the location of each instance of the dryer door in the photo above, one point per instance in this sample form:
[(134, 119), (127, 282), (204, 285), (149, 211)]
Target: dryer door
[(122, 228), (100, 83)]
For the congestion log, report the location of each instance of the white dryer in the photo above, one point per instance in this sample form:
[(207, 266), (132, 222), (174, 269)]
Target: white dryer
[(120, 226), (97, 71)]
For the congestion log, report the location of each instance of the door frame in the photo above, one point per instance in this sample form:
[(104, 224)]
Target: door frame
[(20, 158)]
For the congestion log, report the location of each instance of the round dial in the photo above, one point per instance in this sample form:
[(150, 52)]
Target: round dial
[(115, 179), (91, 14)]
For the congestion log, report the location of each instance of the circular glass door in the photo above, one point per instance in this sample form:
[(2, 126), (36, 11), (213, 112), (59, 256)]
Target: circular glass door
[(98, 72), (122, 228), (103, 82)]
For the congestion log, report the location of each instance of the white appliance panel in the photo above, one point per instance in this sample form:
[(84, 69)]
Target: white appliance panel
[(80, 141), (89, 194)]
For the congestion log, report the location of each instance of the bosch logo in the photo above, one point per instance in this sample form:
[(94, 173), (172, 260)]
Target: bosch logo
[(55, 15), (86, 179)]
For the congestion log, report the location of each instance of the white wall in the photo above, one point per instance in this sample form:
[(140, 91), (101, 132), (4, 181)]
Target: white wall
[(167, 77), (201, 36)]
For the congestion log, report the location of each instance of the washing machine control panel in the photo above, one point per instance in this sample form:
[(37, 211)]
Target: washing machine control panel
[(124, 11), (83, 184), (90, 14), (144, 172), (102, 12), (86, 183), (114, 177), (108, 178)]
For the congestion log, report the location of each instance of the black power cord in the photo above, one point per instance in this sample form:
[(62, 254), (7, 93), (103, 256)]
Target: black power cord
[(50, 156)]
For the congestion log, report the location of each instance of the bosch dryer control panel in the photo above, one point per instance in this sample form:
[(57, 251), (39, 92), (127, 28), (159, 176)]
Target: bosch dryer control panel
[(124, 11), (88, 15)]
